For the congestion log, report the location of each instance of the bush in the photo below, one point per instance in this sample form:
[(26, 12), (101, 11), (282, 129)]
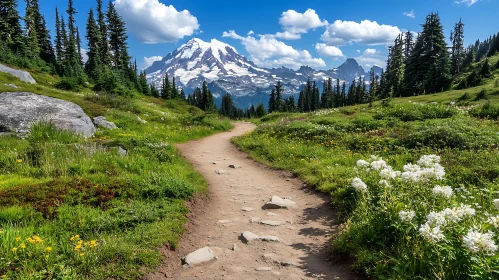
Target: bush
[(481, 95), (114, 101), (415, 112), (486, 111), (68, 83)]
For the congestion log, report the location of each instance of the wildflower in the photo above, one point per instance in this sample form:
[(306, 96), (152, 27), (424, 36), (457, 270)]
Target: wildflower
[(496, 203), (442, 191), (19, 160), (358, 185), (34, 239), (411, 167), (389, 173), (432, 234), (22, 246), (406, 216), (362, 163), (384, 183), (429, 160), (18, 239), (74, 237), (477, 242), (14, 249), (92, 243), (48, 249), (82, 254), (378, 164), (494, 221), (77, 247), (436, 219)]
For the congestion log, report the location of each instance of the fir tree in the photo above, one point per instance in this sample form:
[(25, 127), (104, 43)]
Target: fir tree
[(301, 102), (93, 64), (174, 92), (278, 97), (485, 71), (408, 44), (325, 90), (103, 43), (59, 44), (143, 83), (78, 46), (10, 26), (272, 106), (117, 39), (32, 48), (260, 111), (182, 95), (457, 53), (166, 88), (44, 45), (154, 90)]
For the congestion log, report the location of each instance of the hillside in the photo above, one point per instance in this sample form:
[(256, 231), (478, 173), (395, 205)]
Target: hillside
[(74, 208), (415, 179)]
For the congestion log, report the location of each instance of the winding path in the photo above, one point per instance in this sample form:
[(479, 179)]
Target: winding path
[(218, 220)]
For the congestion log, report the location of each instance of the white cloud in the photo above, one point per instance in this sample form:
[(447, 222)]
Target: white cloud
[(411, 14), (251, 32), (366, 32), (288, 35), (467, 2), (153, 22), (267, 51), (326, 50), (371, 52), (148, 61), (84, 55), (296, 22)]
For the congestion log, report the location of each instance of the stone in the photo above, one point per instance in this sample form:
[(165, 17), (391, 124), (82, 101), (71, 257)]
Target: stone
[(199, 256), (234, 247), (102, 122), (22, 75), (247, 209), (214, 162), (279, 203), (272, 214), (235, 166), (123, 152), (248, 236), (12, 85), (271, 223), (255, 220), (224, 221), (264, 268), (19, 110), (220, 172)]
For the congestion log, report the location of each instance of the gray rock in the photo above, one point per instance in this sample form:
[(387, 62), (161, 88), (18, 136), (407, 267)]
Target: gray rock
[(220, 172), (19, 110), (123, 152), (272, 214), (248, 236), (22, 75), (271, 223), (255, 220), (235, 166), (199, 256), (278, 203), (12, 85), (264, 268), (234, 247), (102, 122)]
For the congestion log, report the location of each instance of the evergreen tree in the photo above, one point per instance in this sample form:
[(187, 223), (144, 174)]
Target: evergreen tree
[(469, 57), (182, 94), (278, 97), (93, 64), (174, 91), (344, 94), (59, 44), (395, 69), (32, 49), (78, 46), (71, 53), (165, 88), (324, 103), (117, 39), (143, 83), (228, 109), (301, 102), (103, 43), (10, 27), (272, 104), (408, 44), (260, 111), (337, 99), (154, 91), (315, 97), (44, 45), (457, 53), (485, 71), (307, 93)]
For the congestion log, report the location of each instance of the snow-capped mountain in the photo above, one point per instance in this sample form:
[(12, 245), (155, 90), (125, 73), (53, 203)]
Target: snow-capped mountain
[(226, 71)]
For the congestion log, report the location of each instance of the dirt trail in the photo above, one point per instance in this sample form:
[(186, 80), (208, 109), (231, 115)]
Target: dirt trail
[(218, 221)]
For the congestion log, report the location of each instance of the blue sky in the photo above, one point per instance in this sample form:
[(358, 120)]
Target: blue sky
[(319, 33)]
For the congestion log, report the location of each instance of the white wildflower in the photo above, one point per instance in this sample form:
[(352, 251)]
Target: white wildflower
[(478, 242), (384, 183), (378, 164), (388, 173), (496, 203), (411, 167), (407, 216), (432, 234), (429, 160), (436, 219), (362, 163), (358, 185), (442, 191), (494, 221), (374, 158)]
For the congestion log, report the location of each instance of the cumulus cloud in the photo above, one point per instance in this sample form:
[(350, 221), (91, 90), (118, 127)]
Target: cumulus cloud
[(151, 21), (466, 2), (366, 32), (267, 51), (288, 35), (371, 52), (410, 14), (326, 50), (296, 22), (148, 61), (251, 32)]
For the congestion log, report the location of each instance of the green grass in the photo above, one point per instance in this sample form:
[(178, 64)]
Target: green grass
[(323, 148), (54, 186)]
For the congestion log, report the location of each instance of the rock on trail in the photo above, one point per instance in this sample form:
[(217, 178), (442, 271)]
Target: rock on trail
[(278, 203), (199, 256)]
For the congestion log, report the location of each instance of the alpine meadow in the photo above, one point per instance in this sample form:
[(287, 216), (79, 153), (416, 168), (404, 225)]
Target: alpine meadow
[(163, 139)]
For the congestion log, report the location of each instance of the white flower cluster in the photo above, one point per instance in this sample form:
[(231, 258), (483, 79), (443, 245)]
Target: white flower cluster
[(494, 221), (407, 216), (479, 242), (431, 230), (362, 163), (496, 203), (427, 169), (442, 191), (358, 185), (384, 183), (388, 173)]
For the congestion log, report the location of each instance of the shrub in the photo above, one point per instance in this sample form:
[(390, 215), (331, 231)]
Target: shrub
[(481, 95), (68, 83), (486, 111), (415, 112)]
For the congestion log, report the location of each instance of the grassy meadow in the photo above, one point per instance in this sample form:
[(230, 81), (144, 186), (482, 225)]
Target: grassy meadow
[(416, 180), (75, 208)]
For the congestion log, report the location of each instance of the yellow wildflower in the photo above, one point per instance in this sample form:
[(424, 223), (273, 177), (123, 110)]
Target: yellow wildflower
[(46, 257), (22, 246), (48, 249), (81, 255), (3, 276), (19, 160), (92, 244), (18, 239), (74, 237), (77, 247), (14, 250)]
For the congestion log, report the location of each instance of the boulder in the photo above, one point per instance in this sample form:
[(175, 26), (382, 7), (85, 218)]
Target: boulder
[(199, 256), (22, 75), (271, 223), (19, 110), (248, 236), (278, 203), (102, 122)]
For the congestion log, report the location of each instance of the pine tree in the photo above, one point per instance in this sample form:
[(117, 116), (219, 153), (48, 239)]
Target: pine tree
[(78, 46), (59, 47), (143, 83), (36, 19), (182, 94), (32, 48), (408, 45), (93, 64), (307, 92), (10, 26), (174, 91), (278, 97), (395, 69), (166, 88), (457, 53), (344, 93), (301, 102), (154, 91), (485, 71), (324, 103), (272, 107), (337, 99), (260, 111), (117, 39), (103, 43)]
